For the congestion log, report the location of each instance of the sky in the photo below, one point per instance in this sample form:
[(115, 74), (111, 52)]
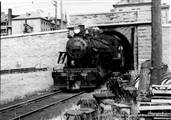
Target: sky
[(69, 6)]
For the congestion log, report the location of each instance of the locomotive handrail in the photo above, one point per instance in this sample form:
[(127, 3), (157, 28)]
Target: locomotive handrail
[(80, 69)]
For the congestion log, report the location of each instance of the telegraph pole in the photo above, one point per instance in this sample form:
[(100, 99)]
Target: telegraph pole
[(9, 29), (156, 53), (0, 26), (55, 4), (61, 14)]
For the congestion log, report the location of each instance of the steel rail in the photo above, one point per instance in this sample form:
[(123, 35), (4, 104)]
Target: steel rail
[(28, 101), (44, 107)]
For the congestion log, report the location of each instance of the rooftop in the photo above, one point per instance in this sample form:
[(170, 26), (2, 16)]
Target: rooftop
[(33, 14), (38, 14)]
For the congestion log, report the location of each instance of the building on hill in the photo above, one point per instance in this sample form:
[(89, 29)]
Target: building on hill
[(35, 21), (58, 24), (32, 22), (4, 24)]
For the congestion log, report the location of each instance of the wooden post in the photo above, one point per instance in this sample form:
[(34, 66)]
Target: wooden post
[(156, 53)]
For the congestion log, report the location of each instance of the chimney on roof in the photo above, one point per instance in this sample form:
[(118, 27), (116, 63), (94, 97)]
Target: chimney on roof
[(9, 21), (28, 14)]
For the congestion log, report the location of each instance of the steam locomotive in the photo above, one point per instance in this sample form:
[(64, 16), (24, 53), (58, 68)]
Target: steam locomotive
[(91, 54)]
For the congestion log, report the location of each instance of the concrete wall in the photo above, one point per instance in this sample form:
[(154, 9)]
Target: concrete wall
[(38, 50), (32, 50)]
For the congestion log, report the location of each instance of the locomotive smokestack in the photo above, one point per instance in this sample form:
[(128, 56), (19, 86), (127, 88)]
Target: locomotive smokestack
[(76, 47)]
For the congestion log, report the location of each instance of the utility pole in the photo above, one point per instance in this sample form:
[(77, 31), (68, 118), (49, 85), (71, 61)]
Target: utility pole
[(0, 21), (61, 14), (55, 4), (156, 53), (9, 29)]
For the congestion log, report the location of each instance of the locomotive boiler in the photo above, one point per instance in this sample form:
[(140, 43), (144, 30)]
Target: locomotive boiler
[(90, 55)]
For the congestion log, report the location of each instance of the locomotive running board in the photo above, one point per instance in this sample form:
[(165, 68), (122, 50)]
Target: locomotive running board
[(80, 69)]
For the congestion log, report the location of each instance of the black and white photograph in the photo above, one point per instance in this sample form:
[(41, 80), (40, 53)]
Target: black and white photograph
[(85, 60)]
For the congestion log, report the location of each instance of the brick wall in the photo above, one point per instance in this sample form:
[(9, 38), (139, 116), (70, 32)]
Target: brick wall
[(144, 43), (166, 37), (123, 14), (38, 50)]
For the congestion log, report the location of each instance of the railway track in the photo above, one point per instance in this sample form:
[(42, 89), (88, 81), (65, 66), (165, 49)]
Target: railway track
[(24, 109), (28, 101)]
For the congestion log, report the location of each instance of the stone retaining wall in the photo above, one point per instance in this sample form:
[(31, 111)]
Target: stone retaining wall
[(39, 50)]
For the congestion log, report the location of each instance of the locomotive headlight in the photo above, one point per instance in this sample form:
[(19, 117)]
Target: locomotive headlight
[(86, 31), (71, 33), (77, 30)]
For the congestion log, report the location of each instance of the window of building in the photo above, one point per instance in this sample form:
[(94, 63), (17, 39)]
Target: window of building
[(4, 23), (3, 31)]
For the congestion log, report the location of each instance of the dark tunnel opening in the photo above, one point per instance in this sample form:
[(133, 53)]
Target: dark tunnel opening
[(127, 49)]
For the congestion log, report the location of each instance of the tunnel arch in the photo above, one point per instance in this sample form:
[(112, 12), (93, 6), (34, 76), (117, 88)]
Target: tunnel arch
[(127, 48)]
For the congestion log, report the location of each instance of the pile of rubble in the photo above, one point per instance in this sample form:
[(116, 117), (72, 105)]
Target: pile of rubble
[(101, 106)]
